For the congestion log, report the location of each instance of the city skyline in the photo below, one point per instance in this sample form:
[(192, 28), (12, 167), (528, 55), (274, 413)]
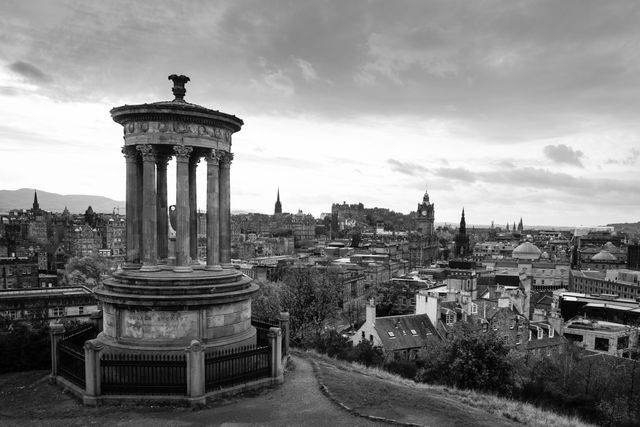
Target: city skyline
[(509, 109)]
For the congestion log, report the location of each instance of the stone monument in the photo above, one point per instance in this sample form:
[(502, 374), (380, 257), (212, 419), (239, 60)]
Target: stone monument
[(158, 303)]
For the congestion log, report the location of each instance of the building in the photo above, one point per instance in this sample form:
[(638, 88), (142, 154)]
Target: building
[(46, 304), (399, 337), (621, 283), (17, 273), (461, 240)]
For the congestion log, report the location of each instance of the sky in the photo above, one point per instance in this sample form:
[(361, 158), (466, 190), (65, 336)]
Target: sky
[(507, 108)]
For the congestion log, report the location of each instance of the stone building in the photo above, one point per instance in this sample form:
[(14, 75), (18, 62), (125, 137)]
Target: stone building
[(17, 273)]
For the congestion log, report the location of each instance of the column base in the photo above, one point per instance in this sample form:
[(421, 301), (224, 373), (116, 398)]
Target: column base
[(131, 266), (149, 268), (216, 267), (228, 266), (182, 269)]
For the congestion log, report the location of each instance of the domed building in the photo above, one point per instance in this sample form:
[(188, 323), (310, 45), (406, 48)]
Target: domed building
[(526, 251)]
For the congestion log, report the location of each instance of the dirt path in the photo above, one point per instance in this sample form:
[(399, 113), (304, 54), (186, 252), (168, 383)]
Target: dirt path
[(298, 402)]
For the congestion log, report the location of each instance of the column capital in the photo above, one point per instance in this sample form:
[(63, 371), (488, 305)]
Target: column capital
[(130, 153), (214, 157), (183, 152), (163, 159), (147, 152), (226, 159)]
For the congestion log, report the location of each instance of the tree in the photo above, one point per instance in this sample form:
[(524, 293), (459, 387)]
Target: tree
[(469, 359), (266, 302), (86, 271), (311, 296)]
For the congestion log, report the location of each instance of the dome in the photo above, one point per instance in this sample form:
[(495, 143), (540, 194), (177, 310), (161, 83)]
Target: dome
[(526, 250), (604, 256)]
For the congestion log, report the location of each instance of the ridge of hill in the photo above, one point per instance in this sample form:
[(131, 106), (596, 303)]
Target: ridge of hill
[(375, 393), (76, 203)]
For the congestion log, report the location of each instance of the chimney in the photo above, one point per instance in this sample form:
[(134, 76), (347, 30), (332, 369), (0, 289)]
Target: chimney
[(371, 312), (433, 309)]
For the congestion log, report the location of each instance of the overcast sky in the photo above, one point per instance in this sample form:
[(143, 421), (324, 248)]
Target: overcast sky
[(507, 108)]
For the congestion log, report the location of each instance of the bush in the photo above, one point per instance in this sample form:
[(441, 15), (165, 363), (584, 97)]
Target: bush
[(25, 348)]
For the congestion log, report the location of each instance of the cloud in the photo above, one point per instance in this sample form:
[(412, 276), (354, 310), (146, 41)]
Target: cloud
[(411, 169), (630, 160), (459, 174), (308, 72), (562, 153), (29, 71)]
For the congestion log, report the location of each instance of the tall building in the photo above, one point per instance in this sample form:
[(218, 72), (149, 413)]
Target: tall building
[(278, 209), (423, 244), (426, 216), (462, 240)]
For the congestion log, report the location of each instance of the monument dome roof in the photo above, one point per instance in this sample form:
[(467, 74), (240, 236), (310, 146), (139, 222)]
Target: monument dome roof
[(526, 250)]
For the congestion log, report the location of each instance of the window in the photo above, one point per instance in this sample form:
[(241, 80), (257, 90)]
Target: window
[(602, 344), (451, 318), (474, 308), (391, 334), (362, 334), (540, 333), (513, 324), (506, 339), (58, 312), (371, 338), (551, 332), (518, 338), (485, 327), (413, 332), (80, 310)]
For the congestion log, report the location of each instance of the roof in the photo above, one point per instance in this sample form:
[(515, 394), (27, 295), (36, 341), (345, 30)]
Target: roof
[(604, 256), (546, 342), (527, 250), (404, 332)]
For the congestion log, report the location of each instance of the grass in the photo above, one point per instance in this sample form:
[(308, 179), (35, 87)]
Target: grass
[(399, 396)]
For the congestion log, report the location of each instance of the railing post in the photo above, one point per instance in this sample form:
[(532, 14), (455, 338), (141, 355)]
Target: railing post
[(275, 341), (284, 326), (196, 373), (92, 349), (56, 331)]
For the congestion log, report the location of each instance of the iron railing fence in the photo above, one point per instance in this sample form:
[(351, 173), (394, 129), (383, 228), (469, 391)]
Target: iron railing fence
[(71, 362), (150, 374), (236, 366)]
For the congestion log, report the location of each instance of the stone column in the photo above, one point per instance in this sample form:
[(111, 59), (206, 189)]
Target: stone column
[(225, 210), (139, 202), (149, 209), (283, 319), (213, 210), (182, 153), (275, 342), (195, 373), (92, 349), (163, 220), (56, 331), (132, 231), (193, 206)]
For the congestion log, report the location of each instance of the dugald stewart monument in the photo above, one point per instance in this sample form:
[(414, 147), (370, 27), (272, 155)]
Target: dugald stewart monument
[(186, 327)]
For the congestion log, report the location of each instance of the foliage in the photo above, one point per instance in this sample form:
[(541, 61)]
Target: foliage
[(468, 360), (387, 296), (86, 271), (312, 297), (25, 348), (266, 302)]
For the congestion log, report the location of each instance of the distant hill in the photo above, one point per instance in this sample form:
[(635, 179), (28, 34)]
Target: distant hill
[(76, 203)]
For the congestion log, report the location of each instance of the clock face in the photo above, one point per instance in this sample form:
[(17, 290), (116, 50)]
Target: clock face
[(424, 212)]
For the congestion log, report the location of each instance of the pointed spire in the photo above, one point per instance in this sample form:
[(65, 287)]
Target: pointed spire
[(36, 205), (278, 207)]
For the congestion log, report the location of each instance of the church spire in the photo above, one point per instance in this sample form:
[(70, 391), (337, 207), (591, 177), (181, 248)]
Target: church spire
[(36, 205), (278, 207)]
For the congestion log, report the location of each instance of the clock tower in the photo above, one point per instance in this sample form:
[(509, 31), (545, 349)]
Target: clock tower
[(425, 216)]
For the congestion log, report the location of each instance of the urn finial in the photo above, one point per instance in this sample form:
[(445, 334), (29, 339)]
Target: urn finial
[(178, 86)]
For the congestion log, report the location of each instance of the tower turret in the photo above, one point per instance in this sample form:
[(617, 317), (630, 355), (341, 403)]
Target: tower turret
[(278, 208)]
